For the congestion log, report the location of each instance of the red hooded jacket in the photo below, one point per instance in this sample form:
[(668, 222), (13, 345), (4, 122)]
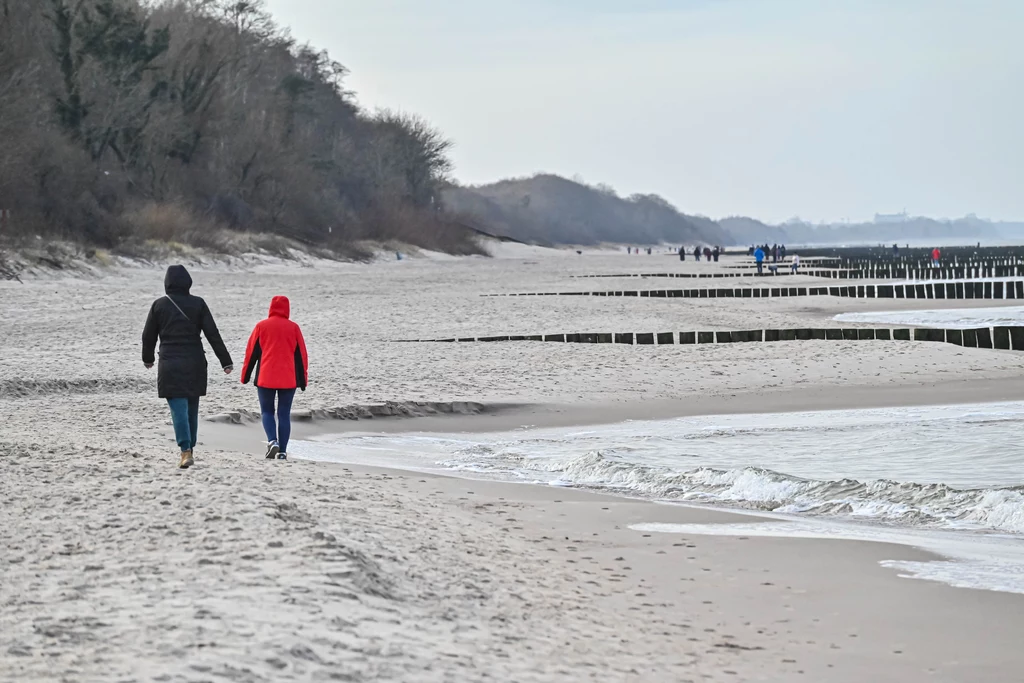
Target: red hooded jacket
[(277, 351)]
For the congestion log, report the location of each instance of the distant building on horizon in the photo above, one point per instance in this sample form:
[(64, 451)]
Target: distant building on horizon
[(892, 217)]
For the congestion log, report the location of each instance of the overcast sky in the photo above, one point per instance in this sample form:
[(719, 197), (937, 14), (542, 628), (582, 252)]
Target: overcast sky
[(826, 109)]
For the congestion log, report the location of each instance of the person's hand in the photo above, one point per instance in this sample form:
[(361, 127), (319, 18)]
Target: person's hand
[(228, 369), (149, 366)]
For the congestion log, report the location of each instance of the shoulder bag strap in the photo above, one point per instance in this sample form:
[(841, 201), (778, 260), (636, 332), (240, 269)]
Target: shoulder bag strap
[(181, 311)]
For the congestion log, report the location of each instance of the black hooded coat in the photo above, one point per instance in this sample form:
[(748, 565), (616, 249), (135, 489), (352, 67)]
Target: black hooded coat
[(182, 369)]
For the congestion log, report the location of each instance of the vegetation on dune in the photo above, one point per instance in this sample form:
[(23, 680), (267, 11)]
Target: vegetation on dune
[(182, 120)]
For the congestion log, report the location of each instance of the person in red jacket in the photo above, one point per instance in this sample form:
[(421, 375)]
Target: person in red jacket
[(276, 354)]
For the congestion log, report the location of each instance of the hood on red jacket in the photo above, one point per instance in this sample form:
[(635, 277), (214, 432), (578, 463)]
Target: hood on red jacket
[(280, 307)]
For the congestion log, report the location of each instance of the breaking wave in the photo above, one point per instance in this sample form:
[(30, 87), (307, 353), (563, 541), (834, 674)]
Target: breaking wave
[(883, 501)]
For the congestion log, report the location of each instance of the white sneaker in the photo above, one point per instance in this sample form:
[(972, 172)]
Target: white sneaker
[(272, 450)]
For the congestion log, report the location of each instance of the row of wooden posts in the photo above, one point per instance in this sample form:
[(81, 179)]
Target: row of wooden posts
[(922, 261), (939, 273), (698, 276), (1009, 254), (879, 273), (1005, 338), (929, 290)]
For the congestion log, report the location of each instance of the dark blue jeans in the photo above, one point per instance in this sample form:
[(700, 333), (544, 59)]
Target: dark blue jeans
[(185, 416), (281, 430)]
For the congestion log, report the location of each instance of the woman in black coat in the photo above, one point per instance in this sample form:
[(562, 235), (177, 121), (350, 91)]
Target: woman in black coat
[(177, 319)]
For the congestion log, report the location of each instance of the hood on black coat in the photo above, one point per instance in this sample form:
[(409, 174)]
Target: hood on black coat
[(177, 280)]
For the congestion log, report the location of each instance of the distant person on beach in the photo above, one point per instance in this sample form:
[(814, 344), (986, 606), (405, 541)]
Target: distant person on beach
[(682, 253), (696, 254), (782, 252), (759, 257), (707, 254), (176, 321), (936, 254), (896, 250), (714, 254), (276, 354), (796, 263)]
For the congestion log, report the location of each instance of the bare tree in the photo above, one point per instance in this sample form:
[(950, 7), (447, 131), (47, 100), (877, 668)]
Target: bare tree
[(206, 105)]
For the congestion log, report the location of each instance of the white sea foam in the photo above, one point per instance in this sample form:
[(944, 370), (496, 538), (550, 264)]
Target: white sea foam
[(970, 561), (954, 318)]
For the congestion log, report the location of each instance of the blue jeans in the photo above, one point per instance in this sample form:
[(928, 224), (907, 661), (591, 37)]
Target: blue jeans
[(185, 416), (281, 430)]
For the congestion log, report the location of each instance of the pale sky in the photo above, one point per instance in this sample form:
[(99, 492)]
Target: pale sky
[(826, 109)]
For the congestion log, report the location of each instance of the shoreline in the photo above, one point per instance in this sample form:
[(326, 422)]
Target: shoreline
[(508, 416), (511, 419)]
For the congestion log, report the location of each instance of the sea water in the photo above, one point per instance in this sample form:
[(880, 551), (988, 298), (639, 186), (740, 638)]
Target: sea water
[(951, 318), (948, 479)]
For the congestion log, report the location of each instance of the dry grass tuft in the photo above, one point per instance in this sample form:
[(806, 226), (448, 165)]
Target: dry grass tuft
[(175, 226)]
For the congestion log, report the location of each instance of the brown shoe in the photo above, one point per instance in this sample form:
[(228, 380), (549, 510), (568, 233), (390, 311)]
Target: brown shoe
[(186, 460)]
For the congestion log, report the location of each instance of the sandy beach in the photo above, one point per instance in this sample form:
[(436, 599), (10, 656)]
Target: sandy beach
[(117, 566)]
